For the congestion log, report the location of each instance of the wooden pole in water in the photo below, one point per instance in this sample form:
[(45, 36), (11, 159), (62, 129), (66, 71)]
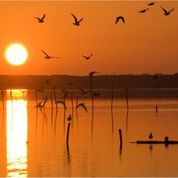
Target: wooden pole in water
[(112, 100), (92, 95), (156, 107), (112, 96), (72, 103), (55, 98), (68, 132), (120, 137), (92, 104), (36, 97), (51, 99), (127, 98), (64, 99), (76, 103)]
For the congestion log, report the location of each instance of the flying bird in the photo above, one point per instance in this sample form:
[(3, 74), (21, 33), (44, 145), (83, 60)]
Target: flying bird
[(61, 102), (47, 56), (76, 21), (144, 10), (151, 3), (150, 135), (87, 57), (119, 18), (166, 12), (40, 20), (83, 106)]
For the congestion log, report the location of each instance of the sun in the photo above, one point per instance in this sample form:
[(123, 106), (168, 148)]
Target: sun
[(16, 54)]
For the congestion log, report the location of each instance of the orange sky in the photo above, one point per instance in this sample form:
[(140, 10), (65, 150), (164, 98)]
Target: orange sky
[(146, 43)]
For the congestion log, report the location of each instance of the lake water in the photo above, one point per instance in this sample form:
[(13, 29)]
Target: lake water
[(33, 142)]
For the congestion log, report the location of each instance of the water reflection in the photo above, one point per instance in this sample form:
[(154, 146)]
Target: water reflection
[(16, 117)]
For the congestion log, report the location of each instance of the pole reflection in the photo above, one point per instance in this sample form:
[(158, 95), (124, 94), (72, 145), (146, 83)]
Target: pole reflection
[(16, 120)]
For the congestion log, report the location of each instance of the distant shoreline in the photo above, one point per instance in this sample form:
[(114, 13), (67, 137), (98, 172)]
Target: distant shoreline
[(99, 81)]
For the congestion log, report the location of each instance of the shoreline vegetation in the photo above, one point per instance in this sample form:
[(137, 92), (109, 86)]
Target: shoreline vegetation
[(104, 86), (143, 81)]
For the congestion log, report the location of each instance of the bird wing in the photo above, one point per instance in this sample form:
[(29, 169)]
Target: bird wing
[(63, 103), (141, 11), (39, 104), (43, 17), (151, 3), (80, 20), (84, 56), (171, 10), (55, 57), (45, 53), (83, 106), (122, 18), (165, 11), (90, 55), (117, 19), (37, 18), (92, 73), (75, 18), (144, 10)]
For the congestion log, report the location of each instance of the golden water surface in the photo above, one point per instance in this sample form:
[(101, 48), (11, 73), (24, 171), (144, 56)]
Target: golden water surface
[(32, 142)]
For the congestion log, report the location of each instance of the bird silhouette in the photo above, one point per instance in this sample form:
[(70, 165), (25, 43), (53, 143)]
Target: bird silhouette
[(151, 3), (40, 20), (119, 18), (49, 57), (61, 102), (144, 10), (76, 21), (42, 104), (166, 12), (92, 73), (69, 117), (87, 57), (83, 106), (39, 105), (150, 136)]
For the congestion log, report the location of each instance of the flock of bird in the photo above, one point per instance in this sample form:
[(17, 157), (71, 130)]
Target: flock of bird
[(77, 22), (166, 12), (41, 105)]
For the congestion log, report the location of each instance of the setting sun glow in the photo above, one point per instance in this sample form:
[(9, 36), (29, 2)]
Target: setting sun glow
[(16, 54)]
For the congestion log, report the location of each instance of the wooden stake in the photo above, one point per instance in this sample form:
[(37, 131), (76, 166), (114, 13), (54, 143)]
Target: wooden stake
[(127, 98), (156, 107), (120, 137), (67, 136)]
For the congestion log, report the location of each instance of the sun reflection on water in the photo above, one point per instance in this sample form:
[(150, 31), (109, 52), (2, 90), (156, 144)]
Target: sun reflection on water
[(16, 109)]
